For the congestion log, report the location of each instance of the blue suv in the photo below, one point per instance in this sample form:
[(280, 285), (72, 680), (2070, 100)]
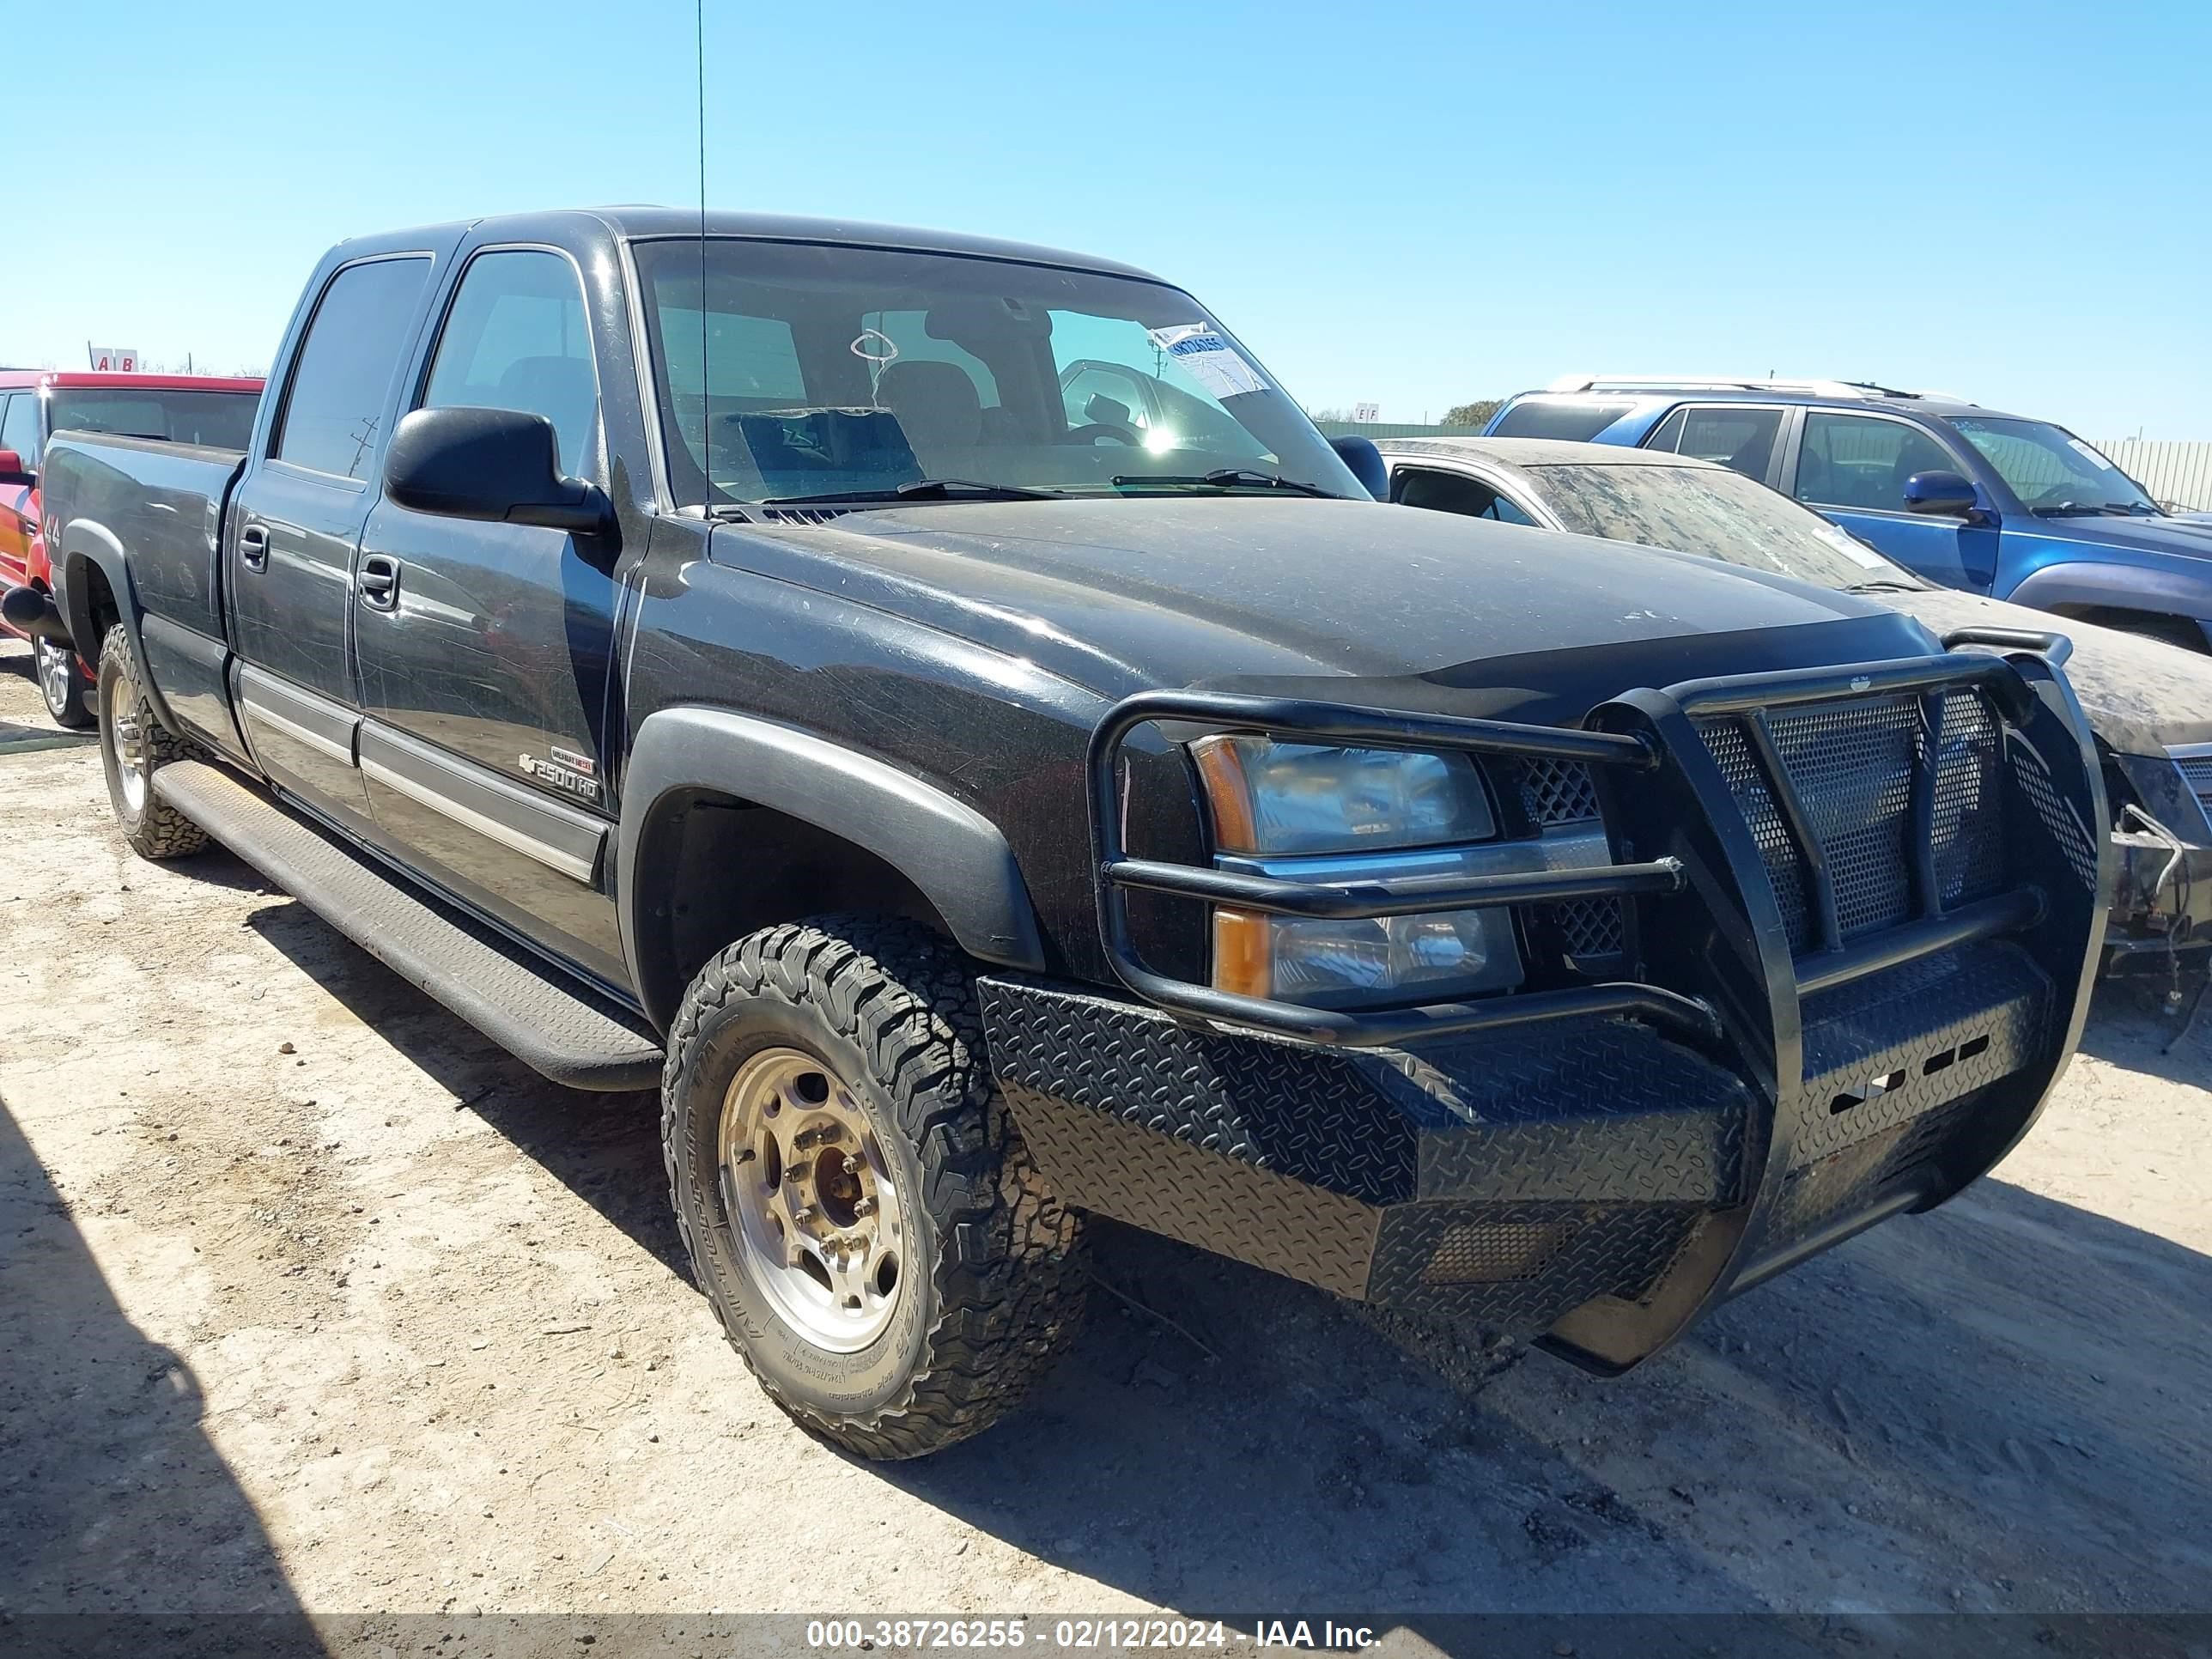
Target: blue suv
[(2018, 509)]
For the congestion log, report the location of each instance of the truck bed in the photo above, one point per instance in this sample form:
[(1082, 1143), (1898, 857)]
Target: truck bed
[(164, 503)]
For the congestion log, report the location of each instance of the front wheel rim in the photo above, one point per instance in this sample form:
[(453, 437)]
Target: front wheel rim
[(55, 672), (813, 1207)]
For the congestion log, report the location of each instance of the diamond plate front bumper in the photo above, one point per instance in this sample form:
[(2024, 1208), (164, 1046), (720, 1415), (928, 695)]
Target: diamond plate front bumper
[(1575, 1182), (1592, 1165)]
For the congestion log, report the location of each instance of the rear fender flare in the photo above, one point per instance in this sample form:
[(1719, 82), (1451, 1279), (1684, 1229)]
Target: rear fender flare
[(88, 545), (956, 857)]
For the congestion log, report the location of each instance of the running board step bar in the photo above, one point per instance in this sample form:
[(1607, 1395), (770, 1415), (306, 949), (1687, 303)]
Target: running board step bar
[(570, 1036)]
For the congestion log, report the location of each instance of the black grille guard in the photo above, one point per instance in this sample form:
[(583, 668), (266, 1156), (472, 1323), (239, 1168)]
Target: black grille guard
[(1660, 788)]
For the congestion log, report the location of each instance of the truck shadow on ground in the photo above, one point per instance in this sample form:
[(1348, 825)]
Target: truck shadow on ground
[(2006, 1404), (113, 1500)]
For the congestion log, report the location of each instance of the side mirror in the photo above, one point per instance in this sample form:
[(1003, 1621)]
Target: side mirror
[(496, 464), (1366, 463), (1938, 492), (13, 471)]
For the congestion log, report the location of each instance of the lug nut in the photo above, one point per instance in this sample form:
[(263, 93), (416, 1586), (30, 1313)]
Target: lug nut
[(865, 1207), (743, 1155), (793, 1174), (803, 1212), (852, 1164)]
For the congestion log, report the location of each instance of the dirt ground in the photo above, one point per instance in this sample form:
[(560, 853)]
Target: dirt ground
[(311, 1301)]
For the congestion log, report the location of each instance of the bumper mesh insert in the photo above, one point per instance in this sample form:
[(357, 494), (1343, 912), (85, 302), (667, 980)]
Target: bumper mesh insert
[(1854, 766)]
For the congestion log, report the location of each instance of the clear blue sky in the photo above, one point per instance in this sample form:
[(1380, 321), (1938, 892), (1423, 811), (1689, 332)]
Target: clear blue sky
[(1413, 204)]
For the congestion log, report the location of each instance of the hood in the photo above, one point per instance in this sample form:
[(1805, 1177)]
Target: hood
[(2140, 695), (1118, 595)]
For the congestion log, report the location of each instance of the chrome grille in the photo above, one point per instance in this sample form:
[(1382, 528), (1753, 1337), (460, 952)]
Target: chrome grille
[(1853, 767)]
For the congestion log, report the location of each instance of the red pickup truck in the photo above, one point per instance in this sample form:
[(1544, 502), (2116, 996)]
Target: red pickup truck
[(185, 409)]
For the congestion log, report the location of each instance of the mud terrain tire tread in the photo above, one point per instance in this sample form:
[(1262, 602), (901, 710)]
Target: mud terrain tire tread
[(161, 832), (1008, 1272)]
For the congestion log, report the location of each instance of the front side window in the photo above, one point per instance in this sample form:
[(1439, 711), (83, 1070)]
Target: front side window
[(221, 420), (1722, 514), (1857, 461), (517, 338), (2052, 472), (796, 371), (343, 373), (19, 429)]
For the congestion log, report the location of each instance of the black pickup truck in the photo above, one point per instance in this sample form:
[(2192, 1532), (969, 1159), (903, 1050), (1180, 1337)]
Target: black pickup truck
[(938, 710)]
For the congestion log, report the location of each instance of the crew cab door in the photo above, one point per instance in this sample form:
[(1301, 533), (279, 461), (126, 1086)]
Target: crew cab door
[(295, 519), (484, 650), (1853, 468)]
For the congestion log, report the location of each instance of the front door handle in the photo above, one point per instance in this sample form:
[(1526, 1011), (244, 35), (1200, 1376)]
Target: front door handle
[(253, 546), (379, 582)]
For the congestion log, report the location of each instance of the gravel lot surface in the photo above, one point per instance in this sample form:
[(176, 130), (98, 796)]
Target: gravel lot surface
[(311, 1300)]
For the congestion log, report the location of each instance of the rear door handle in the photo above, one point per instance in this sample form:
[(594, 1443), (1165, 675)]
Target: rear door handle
[(253, 546), (379, 582)]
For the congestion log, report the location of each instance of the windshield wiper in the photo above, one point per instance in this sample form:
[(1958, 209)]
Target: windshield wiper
[(1227, 477), (2067, 510), (924, 490), (1886, 585)]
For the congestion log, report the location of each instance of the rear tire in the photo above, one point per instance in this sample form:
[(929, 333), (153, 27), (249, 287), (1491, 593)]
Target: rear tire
[(857, 1205), (61, 683), (134, 746)]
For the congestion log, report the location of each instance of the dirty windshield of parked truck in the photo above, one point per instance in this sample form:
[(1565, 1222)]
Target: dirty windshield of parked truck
[(1711, 510), (827, 373), (223, 420)]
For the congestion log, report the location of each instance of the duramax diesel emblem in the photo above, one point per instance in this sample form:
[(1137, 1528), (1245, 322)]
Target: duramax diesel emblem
[(565, 770)]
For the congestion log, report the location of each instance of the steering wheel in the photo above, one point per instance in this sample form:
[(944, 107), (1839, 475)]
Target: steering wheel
[(1091, 431)]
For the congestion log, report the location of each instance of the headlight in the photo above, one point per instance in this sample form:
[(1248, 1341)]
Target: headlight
[(1291, 810), (1272, 798)]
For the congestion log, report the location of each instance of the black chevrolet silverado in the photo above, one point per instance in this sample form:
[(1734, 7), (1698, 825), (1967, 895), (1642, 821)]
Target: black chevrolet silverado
[(940, 712)]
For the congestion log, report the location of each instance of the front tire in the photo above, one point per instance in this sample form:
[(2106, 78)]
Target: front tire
[(857, 1207), (134, 744), (60, 682)]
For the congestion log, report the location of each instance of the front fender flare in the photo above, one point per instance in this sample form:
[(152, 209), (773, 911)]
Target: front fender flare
[(2158, 590), (955, 856)]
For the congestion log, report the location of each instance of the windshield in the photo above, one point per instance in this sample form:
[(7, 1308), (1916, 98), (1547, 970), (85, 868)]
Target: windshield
[(222, 420), (2048, 468), (820, 371), (1711, 510)]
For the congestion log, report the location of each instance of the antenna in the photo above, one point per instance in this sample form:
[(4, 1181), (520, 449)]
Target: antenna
[(706, 382)]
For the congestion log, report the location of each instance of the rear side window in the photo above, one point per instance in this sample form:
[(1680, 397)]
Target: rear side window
[(1449, 492), (352, 348), (1855, 460), (517, 339), (1742, 439), (1575, 421)]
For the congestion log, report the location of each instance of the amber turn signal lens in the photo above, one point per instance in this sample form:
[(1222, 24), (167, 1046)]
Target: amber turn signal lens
[(1221, 766), (1244, 953)]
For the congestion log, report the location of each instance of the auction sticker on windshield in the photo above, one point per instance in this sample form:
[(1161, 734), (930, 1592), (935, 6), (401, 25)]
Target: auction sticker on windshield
[(1208, 359)]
